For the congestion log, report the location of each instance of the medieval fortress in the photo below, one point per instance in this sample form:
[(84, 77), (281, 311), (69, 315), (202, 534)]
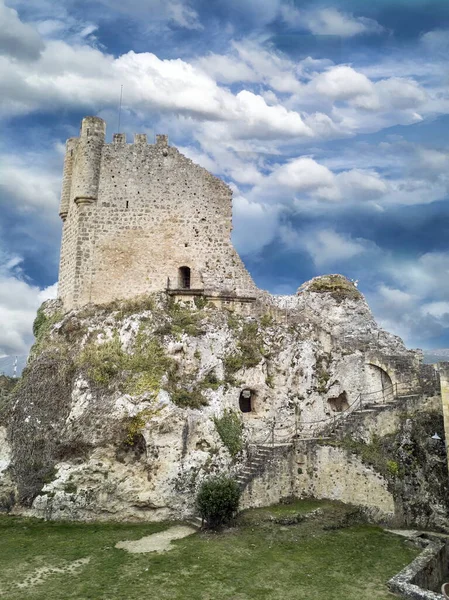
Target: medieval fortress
[(141, 218), (187, 370)]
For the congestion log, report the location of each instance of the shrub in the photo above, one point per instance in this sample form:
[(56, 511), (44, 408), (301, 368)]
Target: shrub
[(188, 398), (217, 501), (138, 372), (103, 362), (337, 286), (266, 320), (211, 381), (184, 319), (249, 353), (136, 424), (230, 429), (41, 328)]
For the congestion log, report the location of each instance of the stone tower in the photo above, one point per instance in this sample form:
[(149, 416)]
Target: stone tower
[(141, 218)]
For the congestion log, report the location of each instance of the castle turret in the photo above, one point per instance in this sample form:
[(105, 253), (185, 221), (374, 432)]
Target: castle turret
[(86, 169), (70, 150)]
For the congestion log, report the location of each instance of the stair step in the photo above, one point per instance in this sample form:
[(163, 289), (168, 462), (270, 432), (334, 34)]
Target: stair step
[(195, 521)]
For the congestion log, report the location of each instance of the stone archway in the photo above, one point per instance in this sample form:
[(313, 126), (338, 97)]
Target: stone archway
[(378, 382)]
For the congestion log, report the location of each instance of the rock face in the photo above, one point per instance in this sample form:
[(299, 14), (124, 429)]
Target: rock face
[(124, 409)]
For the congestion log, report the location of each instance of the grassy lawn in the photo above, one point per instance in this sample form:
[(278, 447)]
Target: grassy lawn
[(308, 561)]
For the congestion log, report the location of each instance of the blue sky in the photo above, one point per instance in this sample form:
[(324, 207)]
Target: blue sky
[(329, 120)]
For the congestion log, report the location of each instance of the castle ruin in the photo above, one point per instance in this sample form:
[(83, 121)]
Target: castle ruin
[(140, 218)]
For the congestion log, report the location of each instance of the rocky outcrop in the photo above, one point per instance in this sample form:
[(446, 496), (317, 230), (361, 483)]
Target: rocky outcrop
[(124, 409)]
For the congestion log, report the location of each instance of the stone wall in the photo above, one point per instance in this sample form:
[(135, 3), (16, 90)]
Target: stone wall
[(422, 578), (135, 214), (443, 369), (334, 474)]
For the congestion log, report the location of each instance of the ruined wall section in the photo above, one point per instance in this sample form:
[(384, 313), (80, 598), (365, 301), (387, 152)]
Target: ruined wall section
[(139, 212)]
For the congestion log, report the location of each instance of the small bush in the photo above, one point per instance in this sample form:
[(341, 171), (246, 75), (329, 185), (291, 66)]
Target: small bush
[(41, 327), (249, 353), (201, 302), (211, 381), (138, 372), (230, 430), (337, 286), (393, 467), (136, 424), (184, 319), (218, 501), (103, 362), (266, 320), (188, 398), (39, 321)]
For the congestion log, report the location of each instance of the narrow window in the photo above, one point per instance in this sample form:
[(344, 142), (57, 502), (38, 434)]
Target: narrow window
[(184, 278), (127, 204), (245, 401)]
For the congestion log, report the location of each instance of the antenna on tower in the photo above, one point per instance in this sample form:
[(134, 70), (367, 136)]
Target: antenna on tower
[(15, 368), (120, 108)]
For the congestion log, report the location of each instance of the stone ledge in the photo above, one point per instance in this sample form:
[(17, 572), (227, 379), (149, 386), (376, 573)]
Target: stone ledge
[(421, 572)]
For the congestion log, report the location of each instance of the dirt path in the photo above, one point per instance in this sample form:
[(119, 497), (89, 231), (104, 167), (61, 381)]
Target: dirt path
[(40, 575), (157, 542)]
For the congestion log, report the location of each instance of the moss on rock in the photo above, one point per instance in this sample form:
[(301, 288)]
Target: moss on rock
[(338, 286)]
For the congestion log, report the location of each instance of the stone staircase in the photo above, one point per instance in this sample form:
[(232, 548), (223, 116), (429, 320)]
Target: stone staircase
[(258, 459), (365, 409), (256, 464)]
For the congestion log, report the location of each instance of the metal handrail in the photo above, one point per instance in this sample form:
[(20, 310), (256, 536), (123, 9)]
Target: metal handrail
[(291, 431)]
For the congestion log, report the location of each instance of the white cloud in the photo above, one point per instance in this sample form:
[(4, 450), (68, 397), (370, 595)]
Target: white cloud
[(84, 77), (17, 39), (156, 14), (255, 224), (436, 41), (303, 179), (326, 246), (440, 310), (414, 303), (361, 184), (26, 183), (19, 301), (304, 174), (330, 21), (342, 83)]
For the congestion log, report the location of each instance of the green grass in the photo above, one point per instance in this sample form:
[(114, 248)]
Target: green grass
[(267, 562)]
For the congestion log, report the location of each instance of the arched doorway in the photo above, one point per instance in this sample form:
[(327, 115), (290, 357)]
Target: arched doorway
[(245, 401), (184, 278), (378, 382)]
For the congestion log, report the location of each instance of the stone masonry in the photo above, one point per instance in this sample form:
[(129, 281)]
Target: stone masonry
[(443, 369), (138, 217)]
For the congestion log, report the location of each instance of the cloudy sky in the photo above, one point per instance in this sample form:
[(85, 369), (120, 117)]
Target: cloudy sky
[(330, 121)]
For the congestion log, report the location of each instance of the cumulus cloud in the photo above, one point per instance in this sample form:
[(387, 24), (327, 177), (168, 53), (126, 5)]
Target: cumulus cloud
[(251, 217), (412, 299), (326, 247), (330, 21), (27, 184), (19, 300), (85, 77), (17, 39), (304, 179)]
